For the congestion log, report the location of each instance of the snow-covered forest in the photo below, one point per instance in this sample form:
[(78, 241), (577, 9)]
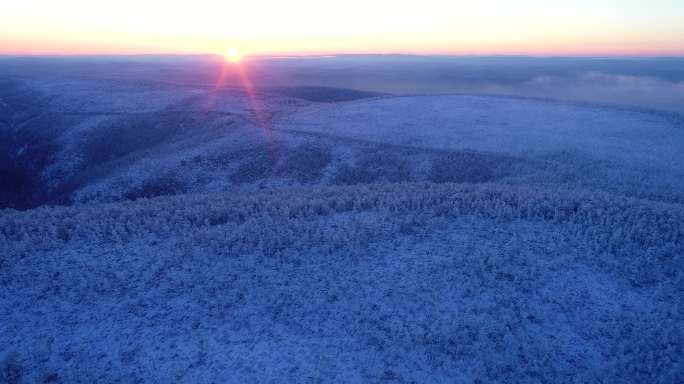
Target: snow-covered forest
[(156, 226)]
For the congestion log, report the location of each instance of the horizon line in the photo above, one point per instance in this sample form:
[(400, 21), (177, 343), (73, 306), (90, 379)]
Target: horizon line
[(342, 54)]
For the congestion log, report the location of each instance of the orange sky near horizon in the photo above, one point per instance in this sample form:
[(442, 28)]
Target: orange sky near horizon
[(267, 27)]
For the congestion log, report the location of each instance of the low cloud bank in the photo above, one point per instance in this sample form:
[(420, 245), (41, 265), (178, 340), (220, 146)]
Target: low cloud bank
[(638, 91), (653, 83)]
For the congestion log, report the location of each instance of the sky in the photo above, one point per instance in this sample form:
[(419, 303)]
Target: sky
[(275, 27)]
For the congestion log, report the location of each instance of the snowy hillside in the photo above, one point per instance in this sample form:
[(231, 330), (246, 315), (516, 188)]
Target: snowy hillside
[(407, 282), (599, 145), (158, 231)]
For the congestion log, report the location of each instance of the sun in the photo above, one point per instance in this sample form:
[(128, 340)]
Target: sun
[(233, 55)]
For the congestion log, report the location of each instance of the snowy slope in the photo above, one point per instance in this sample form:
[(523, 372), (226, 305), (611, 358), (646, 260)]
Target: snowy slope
[(445, 138), (103, 140), (501, 124), (637, 148), (407, 239), (404, 282)]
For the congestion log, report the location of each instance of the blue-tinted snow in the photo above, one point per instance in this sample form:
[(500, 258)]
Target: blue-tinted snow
[(361, 237)]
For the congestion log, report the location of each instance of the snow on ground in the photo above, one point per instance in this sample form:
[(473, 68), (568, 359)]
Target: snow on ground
[(415, 139), (500, 124), (637, 148), (406, 239), (407, 283), (107, 97)]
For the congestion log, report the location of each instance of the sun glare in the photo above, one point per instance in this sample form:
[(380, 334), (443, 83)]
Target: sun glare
[(233, 55)]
